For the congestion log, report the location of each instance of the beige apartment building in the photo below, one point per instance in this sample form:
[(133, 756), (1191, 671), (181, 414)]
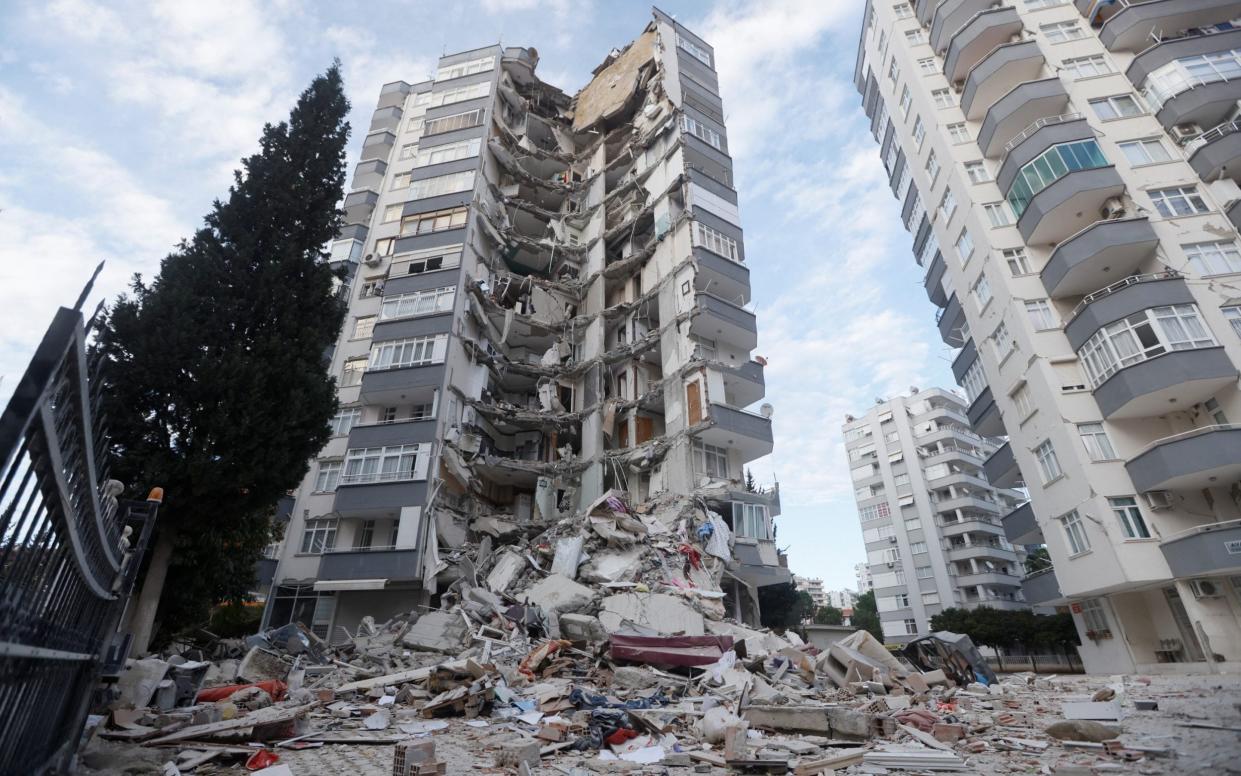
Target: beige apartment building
[(1069, 173)]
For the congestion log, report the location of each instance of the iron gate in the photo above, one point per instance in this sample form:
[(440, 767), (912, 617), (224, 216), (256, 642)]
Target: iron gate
[(69, 550)]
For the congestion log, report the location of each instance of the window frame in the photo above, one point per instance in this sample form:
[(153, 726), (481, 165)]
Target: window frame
[(1127, 512)]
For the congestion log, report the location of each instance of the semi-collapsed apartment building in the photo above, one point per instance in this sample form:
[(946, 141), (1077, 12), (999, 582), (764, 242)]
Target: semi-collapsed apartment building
[(930, 519), (547, 302), (1069, 171)]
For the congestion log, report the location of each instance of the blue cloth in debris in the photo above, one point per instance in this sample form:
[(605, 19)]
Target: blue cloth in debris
[(582, 699), (705, 530)]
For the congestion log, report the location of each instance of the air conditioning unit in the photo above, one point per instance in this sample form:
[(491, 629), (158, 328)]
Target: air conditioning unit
[(1158, 499), (1204, 588), (1112, 209), (371, 260), (1183, 133), (892, 539), (891, 564)]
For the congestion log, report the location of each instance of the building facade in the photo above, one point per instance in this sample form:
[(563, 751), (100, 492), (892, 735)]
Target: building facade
[(814, 588), (930, 519), (864, 581), (547, 301), (1069, 173), (841, 599)]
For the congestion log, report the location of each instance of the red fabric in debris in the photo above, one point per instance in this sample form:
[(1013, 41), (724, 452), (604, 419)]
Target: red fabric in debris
[(621, 736), (691, 554), (263, 758), (273, 687), (670, 650)]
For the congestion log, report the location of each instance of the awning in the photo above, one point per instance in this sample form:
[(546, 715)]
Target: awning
[(351, 584)]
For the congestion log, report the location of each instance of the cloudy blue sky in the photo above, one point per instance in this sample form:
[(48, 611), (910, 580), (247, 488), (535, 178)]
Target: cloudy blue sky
[(120, 122)]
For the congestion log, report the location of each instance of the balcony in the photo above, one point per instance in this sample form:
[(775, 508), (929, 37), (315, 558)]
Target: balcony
[(951, 321), (359, 205), (1217, 152), (1100, 254), (718, 319), (404, 385), (378, 498), (1041, 588), (981, 552), (1201, 458), (959, 527), (1006, 66), (948, 16), (747, 432), (369, 175), (964, 360), (1001, 468), (1205, 99), (378, 145), (985, 415), (966, 502), (723, 277), (389, 565), (934, 281), (386, 118), (1068, 205), (1127, 25), (1175, 379), (1023, 105), (744, 384), (1234, 213), (925, 9), (406, 431), (973, 41), (993, 578), (1036, 139), (1021, 527), (1205, 551)]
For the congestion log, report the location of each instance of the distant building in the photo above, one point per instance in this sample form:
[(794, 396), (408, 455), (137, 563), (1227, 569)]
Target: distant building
[(864, 582), (841, 599), (814, 587)]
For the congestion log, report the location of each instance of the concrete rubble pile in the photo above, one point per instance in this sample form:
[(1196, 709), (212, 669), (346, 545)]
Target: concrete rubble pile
[(599, 644)]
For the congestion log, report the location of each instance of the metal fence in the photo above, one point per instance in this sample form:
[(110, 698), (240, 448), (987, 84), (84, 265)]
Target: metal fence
[(69, 551), (1039, 664)]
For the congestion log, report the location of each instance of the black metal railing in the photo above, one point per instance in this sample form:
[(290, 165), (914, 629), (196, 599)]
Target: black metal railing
[(69, 551)]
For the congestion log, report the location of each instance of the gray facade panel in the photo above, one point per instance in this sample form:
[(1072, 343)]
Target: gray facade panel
[(353, 232), (733, 270), (1001, 57), (951, 319), (369, 175), (386, 118), (979, 26), (402, 433), (1100, 179), (743, 423), (690, 67), (1212, 550), (264, 571), (444, 168), (1036, 143), (1207, 105), (407, 284), (1021, 527), (420, 242), (702, 100), (712, 185), (452, 109), (378, 145), (465, 80), (444, 138), (424, 326), (702, 148), (369, 564), (430, 376), (1177, 368), (442, 202), (1216, 156), (1123, 302), (1234, 214), (1014, 101), (721, 226), (1091, 242), (933, 281), (380, 496), (1136, 21), (964, 360), (1188, 455), (1001, 467), (1041, 587), (727, 311)]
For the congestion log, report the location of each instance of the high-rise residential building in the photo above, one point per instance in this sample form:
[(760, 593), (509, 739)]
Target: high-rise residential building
[(864, 582), (841, 599), (1069, 172), (547, 300), (930, 520), (813, 587)]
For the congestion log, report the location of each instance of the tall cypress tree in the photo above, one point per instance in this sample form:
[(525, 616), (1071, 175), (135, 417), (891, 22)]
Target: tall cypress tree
[(219, 388)]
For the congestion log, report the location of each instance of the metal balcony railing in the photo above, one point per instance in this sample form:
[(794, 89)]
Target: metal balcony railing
[(1036, 126), (1121, 284), (1211, 135)]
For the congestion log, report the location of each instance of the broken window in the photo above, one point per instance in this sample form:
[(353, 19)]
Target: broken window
[(352, 372), (319, 536), (711, 460), (461, 93)]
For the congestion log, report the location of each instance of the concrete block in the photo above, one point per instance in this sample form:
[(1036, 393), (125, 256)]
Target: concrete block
[(511, 754), (558, 593), (831, 721), (437, 632), (664, 613), (506, 569), (581, 627), (613, 566), (947, 732), (259, 664)]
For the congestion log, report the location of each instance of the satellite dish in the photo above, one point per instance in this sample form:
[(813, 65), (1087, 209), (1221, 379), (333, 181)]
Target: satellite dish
[(766, 410)]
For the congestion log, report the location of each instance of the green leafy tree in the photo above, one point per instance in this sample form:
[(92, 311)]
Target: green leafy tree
[(1002, 628), (219, 392), (829, 615), (866, 615), (783, 606)]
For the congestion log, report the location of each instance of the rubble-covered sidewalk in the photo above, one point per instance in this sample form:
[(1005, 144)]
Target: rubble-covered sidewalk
[(601, 645)]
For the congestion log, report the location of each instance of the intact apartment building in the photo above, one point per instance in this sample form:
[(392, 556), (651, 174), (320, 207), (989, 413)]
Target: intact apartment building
[(1069, 173), (813, 588), (930, 519), (547, 300)]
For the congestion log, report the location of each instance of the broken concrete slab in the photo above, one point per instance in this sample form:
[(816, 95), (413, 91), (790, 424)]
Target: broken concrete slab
[(613, 566), (833, 721), (437, 631), (260, 664), (558, 593), (663, 613), (1081, 730), (581, 627), (508, 566)]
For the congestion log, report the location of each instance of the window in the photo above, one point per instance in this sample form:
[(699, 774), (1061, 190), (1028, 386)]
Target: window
[(879, 533), (977, 172), (1213, 258), (319, 536), (471, 118), (396, 354), (352, 373), (328, 476), (434, 221), (1094, 439), (912, 524), (1048, 463), (899, 479), (927, 66), (917, 548), (1094, 618), (919, 133), (932, 168), (449, 152), (998, 214), (1023, 402), (1085, 67), (1180, 75), (1178, 201), (947, 206), (906, 101), (911, 627), (750, 520), (344, 419), (422, 98), (1146, 151), (461, 93), (1049, 167), (862, 472), (1130, 517), (1018, 262), (1118, 106), (894, 72), (1035, 5), (392, 213), (1041, 317), (965, 246), (480, 65), (902, 10), (981, 291), (434, 300), (426, 264), (1233, 314), (874, 512), (930, 599), (974, 381), (363, 327), (701, 131), (711, 460), (943, 98), (1215, 411), (1075, 533), (958, 133), (924, 572), (414, 125), (442, 184), (694, 50), (385, 246), (716, 242), (400, 181), (1143, 336), (1060, 32), (386, 464)]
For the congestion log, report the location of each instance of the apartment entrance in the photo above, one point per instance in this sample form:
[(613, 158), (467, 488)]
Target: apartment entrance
[(1191, 650)]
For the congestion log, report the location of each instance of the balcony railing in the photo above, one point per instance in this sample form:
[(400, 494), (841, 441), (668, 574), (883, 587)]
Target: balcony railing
[(1170, 274), (1211, 135), (1193, 432), (1036, 126), (370, 477)]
